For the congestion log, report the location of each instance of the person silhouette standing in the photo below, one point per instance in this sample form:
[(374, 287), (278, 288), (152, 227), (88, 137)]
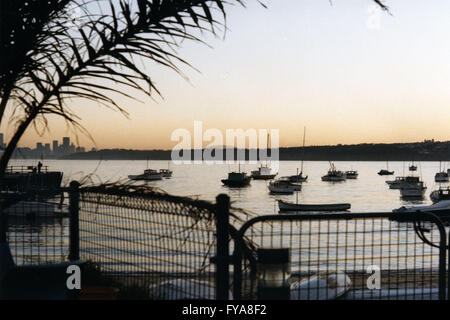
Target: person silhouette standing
[(39, 166)]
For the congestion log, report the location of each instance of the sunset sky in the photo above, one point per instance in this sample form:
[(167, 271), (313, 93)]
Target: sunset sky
[(347, 71)]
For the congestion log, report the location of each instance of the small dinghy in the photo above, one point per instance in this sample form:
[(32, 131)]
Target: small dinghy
[(288, 206)]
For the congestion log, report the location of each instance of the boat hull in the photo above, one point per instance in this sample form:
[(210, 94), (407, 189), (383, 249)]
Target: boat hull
[(385, 173), (298, 178), (277, 190), (412, 192), (287, 206), (263, 176), (440, 195), (145, 178), (235, 183), (333, 179)]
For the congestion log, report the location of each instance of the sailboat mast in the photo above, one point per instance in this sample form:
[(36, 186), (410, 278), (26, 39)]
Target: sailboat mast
[(303, 149), (267, 146)]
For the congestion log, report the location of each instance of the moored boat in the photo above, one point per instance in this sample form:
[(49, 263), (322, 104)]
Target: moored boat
[(333, 174), (298, 178), (283, 187), (385, 172), (237, 180), (32, 180), (397, 183), (148, 175), (289, 206), (441, 176), (351, 174), (166, 173), (263, 173), (440, 195), (412, 188)]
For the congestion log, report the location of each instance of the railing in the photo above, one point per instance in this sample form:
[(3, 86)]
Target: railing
[(25, 169), (159, 243), (409, 254), (178, 248), (37, 231)]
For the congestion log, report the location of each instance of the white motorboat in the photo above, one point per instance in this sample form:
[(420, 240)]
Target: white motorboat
[(288, 206), (148, 175), (333, 174), (283, 187), (264, 172)]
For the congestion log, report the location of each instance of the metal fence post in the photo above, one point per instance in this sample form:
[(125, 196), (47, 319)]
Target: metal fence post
[(74, 235), (3, 226), (222, 257)]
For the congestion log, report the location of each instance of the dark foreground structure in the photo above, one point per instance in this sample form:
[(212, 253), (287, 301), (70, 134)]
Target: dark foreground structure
[(152, 245)]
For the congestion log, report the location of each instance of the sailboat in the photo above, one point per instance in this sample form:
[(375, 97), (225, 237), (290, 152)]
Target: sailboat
[(385, 172), (442, 175), (264, 172), (412, 167), (299, 176)]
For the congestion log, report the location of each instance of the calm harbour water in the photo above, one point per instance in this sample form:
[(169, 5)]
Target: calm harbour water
[(368, 193)]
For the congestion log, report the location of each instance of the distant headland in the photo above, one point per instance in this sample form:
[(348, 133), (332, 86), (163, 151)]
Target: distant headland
[(428, 150)]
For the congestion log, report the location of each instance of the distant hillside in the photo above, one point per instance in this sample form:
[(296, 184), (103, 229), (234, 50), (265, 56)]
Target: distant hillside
[(420, 151)]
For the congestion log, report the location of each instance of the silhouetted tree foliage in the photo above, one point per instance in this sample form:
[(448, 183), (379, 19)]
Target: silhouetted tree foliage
[(49, 56)]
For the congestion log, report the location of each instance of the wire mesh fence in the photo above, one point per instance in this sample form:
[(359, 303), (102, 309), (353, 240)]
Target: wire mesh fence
[(38, 230), (351, 256), (153, 241), (164, 246)]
